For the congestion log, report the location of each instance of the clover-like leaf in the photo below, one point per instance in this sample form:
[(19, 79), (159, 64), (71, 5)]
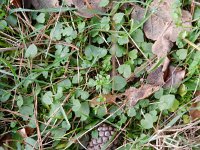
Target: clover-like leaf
[(47, 98), (40, 18), (181, 53), (147, 122), (125, 70), (118, 17), (166, 102), (119, 83), (31, 51)]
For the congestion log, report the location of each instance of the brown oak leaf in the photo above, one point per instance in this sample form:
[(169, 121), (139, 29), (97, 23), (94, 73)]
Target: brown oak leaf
[(135, 94), (174, 77)]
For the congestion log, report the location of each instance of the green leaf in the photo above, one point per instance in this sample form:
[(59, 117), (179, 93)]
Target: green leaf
[(95, 134), (158, 94), (118, 17), (59, 93), (133, 54), (166, 102), (181, 53), (182, 90), (47, 98), (94, 52), (68, 31), (76, 105), (12, 20), (91, 83), (101, 111), (138, 36), (147, 122), (122, 120), (31, 144), (19, 101), (144, 103), (3, 24), (186, 119), (26, 111), (83, 111), (5, 95), (58, 133), (131, 112), (66, 125), (56, 32), (154, 115), (77, 79), (125, 70), (32, 123), (84, 95), (123, 39), (55, 107), (65, 84), (119, 83), (175, 106), (105, 23), (31, 51), (40, 18), (117, 50), (103, 3), (81, 27)]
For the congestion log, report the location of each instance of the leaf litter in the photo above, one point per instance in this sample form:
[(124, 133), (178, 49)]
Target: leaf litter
[(160, 27), (195, 107)]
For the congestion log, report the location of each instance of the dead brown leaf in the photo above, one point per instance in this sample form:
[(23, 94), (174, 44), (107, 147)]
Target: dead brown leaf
[(156, 77), (26, 132), (162, 19), (109, 99), (138, 12), (40, 4), (174, 77), (135, 94), (85, 7), (160, 27), (195, 111)]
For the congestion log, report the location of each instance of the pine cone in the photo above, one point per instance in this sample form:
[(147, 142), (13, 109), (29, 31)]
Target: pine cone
[(105, 133)]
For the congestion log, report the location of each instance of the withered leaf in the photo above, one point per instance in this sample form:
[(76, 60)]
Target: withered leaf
[(195, 111), (161, 26), (162, 19), (162, 47), (135, 94), (40, 4), (175, 76), (156, 77), (85, 8)]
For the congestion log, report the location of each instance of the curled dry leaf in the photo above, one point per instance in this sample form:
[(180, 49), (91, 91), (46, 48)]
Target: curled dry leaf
[(135, 94), (174, 77), (109, 99), (194, 110)]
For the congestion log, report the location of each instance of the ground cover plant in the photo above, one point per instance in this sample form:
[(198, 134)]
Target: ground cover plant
[(102, 74)]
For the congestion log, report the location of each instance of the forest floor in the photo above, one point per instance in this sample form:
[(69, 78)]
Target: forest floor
[(100, 74)]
